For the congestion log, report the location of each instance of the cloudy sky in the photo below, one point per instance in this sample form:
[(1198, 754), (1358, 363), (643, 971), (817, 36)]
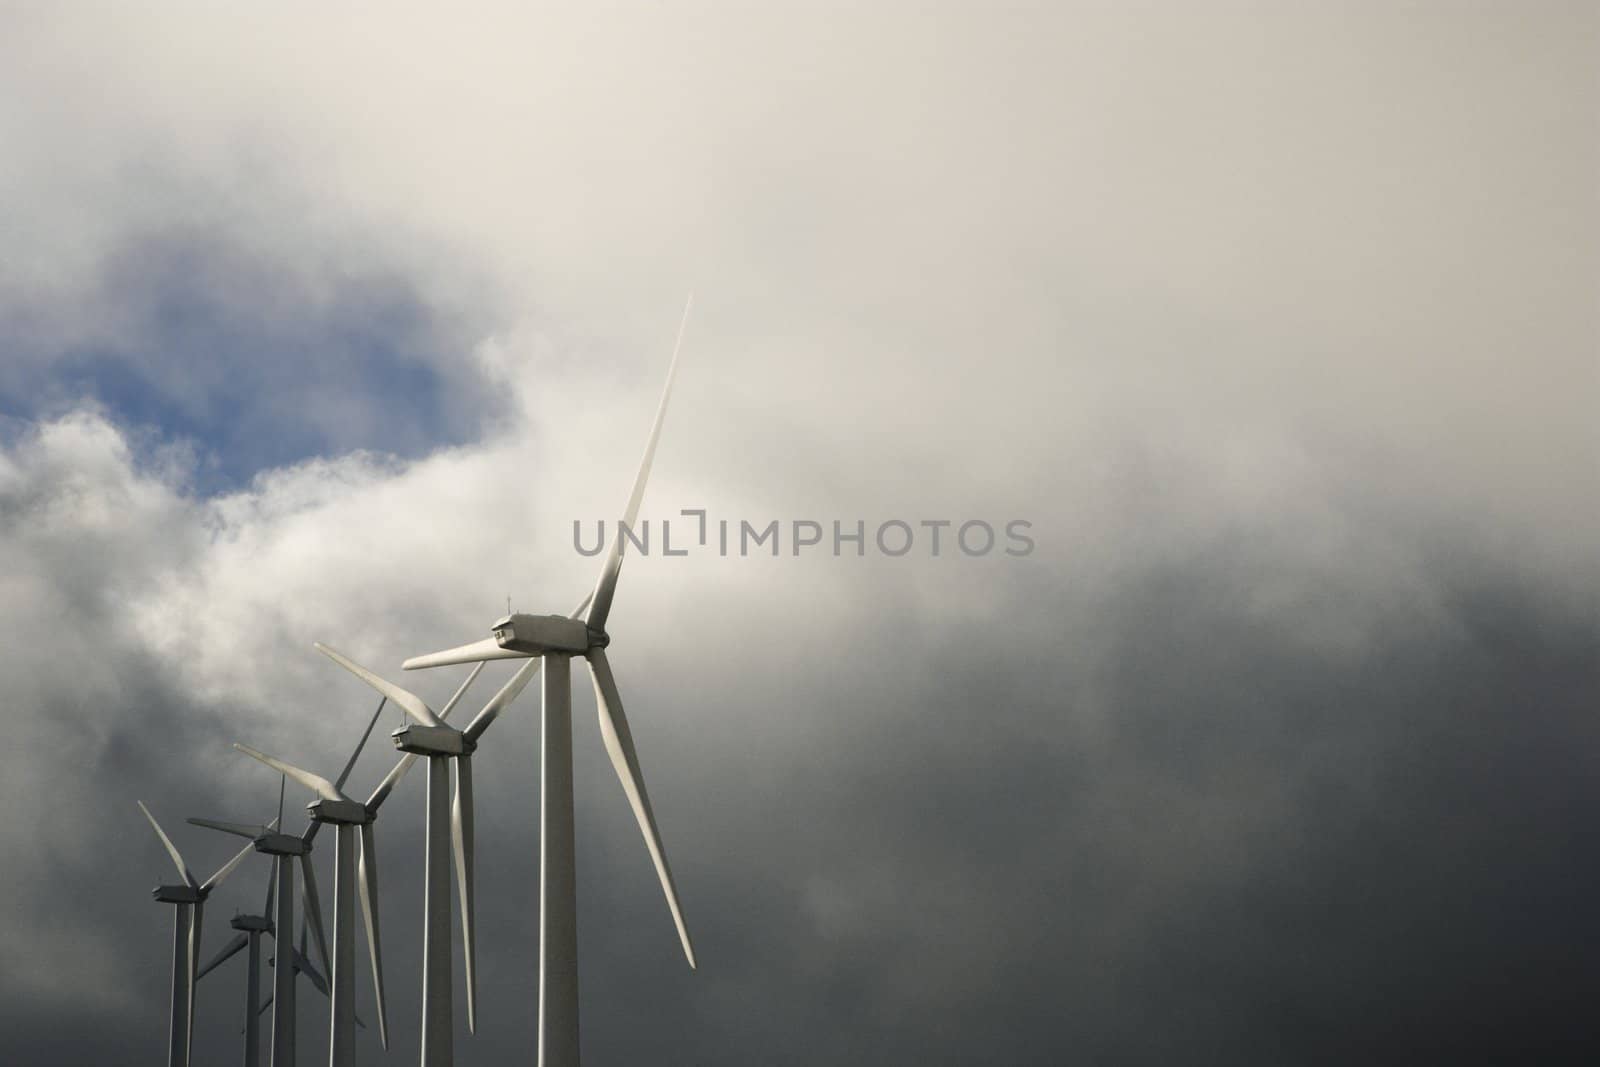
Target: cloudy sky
[(1277, 323)]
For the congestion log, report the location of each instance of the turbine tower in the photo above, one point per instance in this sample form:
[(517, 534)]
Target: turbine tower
[(352, 821), (557, 639), (188, 901)]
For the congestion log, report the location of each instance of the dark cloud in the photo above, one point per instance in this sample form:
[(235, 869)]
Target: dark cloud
[(1205, 841)]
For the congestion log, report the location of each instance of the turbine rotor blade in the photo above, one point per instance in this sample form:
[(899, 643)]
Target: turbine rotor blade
[(461, 832), (314, 782), (403, 765), (461, 690), (239, 941), (350, 764), (172, 850), (500, 700), (196, 912), (303, 965), (225, 870), (619, 745), (476, 652), (606, 587), (367, 884), (412, 704), (238, 829), (313, 911), (390, 780)]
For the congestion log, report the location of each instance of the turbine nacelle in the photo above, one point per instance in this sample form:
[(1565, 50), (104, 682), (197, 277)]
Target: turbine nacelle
[(276, 844), (349, 812), (535, 635), (520, 636), (258, 923), (178, 894), (422, 740)]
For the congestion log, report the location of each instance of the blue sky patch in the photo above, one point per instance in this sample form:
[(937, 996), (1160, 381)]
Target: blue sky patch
[(258, 367)]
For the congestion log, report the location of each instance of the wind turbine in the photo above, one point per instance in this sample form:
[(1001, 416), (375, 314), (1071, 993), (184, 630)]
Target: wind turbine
[(188, 901), (285, 849), (447, 822), (352, 821), (301, 964), (557, 639), (250, 928)]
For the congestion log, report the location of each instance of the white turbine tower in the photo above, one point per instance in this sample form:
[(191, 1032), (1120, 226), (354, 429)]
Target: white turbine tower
[(557, 639), (352, 821), (188, 901)]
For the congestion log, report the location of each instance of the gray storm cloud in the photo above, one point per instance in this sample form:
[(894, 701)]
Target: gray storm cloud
[(1277, 324)]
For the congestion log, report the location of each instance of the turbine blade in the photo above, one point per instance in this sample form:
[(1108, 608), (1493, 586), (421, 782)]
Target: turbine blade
[(606, 587), (350, 764), (238, 829), (367, 884), (461, 832), (239, 941), (172, 850), (619, 745), (476, 652), (390, 780), (313, 911), (226, 869), (272, 889), (461, 690), (303, 965), (314, 782), (505, 696), (412, 704), (403, 765), (196, 912)]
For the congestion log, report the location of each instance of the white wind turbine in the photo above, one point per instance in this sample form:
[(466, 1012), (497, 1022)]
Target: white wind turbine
[(188, 902), (556, 639), (447, 822), (353, 826), (285, 849), (250, 928)]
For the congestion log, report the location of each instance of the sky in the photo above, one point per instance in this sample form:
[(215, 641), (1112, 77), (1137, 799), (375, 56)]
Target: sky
[(1275, 323)]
